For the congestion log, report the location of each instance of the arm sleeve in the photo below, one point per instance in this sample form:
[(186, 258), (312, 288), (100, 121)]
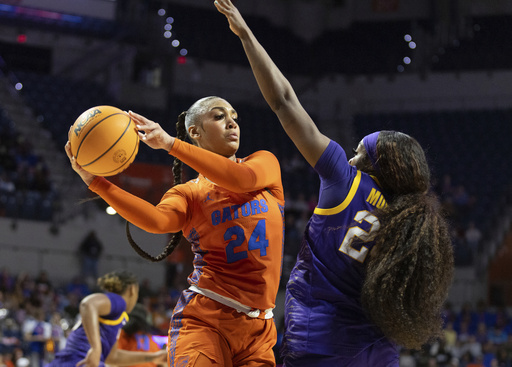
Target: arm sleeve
[(169, 218), (259, 170)]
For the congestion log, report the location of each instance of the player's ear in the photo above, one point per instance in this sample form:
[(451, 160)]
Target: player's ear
[(193, 132)]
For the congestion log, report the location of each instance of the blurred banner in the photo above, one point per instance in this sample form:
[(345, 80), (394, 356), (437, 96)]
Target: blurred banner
[(145, 180)]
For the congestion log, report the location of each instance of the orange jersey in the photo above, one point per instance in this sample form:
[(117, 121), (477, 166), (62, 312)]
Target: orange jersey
[(232, 215), (138, 342)]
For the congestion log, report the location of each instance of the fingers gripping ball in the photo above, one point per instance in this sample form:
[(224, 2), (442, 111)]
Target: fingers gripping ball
[(104, 140)]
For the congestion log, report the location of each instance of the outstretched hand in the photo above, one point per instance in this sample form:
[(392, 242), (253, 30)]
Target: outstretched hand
[(236, 22), (152, 133)]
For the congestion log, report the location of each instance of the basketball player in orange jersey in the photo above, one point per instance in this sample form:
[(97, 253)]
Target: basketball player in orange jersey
[(232, 215)]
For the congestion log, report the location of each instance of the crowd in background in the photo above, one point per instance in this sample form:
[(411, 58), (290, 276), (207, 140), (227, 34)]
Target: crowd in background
[(36, 315), (24, 176)]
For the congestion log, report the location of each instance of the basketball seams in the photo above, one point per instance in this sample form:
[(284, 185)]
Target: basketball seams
[(107, 147), (126, 163), (82, 140), (113, 145)]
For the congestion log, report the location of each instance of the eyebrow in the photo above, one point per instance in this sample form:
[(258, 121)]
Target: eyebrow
[(224, 109)]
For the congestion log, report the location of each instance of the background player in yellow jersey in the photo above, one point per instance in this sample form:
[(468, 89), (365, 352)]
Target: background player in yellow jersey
[(232, 215)]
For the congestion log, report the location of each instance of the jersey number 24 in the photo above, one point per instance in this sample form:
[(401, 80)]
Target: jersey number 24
[(236, 237)]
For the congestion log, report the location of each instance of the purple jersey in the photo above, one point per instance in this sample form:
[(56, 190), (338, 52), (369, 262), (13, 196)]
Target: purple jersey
[(324, 315), (77, 344)]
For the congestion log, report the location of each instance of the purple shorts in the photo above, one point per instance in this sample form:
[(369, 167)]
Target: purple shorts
[(380, 354)]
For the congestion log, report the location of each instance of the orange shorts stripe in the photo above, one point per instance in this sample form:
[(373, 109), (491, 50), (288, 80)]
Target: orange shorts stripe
[(200, 325)]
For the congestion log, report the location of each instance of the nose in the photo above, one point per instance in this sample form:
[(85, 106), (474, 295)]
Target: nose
[(231, 124)]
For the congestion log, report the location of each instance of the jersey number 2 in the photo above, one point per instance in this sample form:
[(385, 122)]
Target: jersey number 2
[(364, 236), (257, 241)]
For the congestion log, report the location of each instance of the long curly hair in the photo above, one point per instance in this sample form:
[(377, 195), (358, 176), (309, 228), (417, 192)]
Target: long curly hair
[(410, 268)]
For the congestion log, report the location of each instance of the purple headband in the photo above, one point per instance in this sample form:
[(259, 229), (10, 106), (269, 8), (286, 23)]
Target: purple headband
[(370, 144)]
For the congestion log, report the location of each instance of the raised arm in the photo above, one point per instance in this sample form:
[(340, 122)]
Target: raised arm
[(276, 89)]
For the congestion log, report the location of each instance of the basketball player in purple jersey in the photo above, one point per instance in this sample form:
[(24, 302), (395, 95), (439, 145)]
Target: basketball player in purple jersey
[(93, 341), (376, 259)]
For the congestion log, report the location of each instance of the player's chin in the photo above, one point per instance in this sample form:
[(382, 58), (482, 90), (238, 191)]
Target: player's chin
[(231, 149), (234, 144)]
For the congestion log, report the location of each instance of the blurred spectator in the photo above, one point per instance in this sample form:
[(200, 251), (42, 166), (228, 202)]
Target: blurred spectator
[(489, 354), (71, 310), (473, 236), (89, 252), (42, 283), (37, 332), (6, 184), (466, 315), (7, 281), (463, 334), (482, 314), (472, 348), (497, 335), (440, 353), (482, 333), (450, 337), (407, 359), (6, 360), (58, 339), (11, 336)]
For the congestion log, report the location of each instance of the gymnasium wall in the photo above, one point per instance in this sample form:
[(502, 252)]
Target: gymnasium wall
[(31, 246)]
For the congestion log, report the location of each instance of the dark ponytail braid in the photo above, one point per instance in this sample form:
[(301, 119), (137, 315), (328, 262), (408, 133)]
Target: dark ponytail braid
[(181, 133), (410, 268)]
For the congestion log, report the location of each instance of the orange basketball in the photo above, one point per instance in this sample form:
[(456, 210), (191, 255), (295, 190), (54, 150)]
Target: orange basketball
[(104, 140)]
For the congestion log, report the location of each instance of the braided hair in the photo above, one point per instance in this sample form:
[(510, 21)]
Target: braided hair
[(181, 133), (410, 268)]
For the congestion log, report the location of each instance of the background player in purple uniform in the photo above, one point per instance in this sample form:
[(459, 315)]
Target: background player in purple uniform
[(93, 341), (376, 259)]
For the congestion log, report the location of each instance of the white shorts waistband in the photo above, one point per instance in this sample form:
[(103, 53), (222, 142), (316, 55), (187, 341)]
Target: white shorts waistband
[(226, 301)]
